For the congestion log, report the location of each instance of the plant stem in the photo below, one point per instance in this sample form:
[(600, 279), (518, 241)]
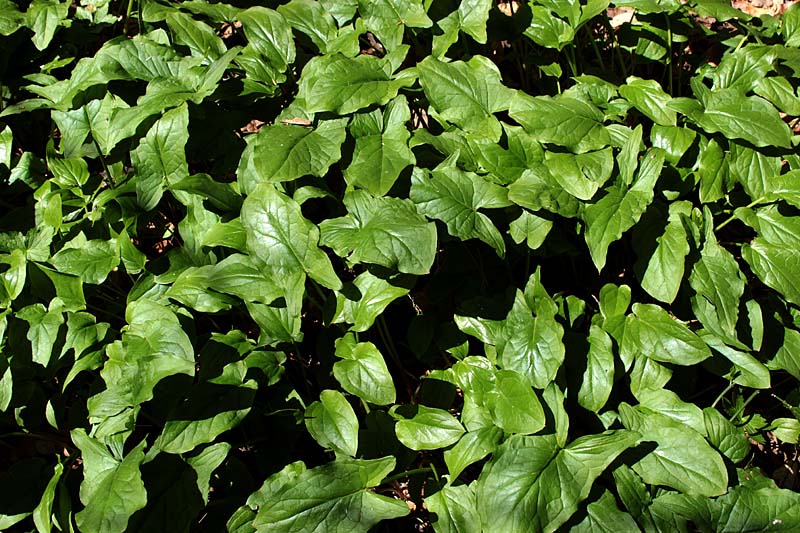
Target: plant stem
[(722, 394), (407, 473), (733, 217), (669, 53), (595, 47), (740, 410)]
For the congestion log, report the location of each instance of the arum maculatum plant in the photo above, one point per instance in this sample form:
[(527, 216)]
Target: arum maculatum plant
[(384, 265)]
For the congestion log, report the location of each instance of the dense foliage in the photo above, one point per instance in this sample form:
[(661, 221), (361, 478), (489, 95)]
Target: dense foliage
[(351, 265)]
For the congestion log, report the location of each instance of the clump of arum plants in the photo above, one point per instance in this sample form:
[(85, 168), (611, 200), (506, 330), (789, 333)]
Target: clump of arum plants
[(350, 265)]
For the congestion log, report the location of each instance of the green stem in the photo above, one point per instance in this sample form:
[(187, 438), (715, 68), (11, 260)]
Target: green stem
[(595, 47), (740, 410), (722, 394), (733, 217), (669, 52), (569, 51), (407, 473)]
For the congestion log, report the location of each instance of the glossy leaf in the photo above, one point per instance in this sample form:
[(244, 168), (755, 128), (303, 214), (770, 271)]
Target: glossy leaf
[(343, 85), (333, 423), (662, 338), (530, 339), (279, 235), (312, 499), (156, 160), (744, 117), (454, 197), (598, 379), (429, 429), (531, 483), (621, 208), (287, 152), (563, 121), (683, 459), (388, 18), (465, 93), (372, 296), (383, 231), (649, 98), (363, 372), (380, 137), (112, 489), (455, 509)]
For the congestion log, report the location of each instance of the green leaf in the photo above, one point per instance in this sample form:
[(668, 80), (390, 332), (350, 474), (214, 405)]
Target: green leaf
[(42, 515), (286, 152), (312, 18), (270, 35), (160, 158), (387, 19), (775, 265), (712, 172), (747, 370), (470, 17), (315, 499), (743, 69), (603, 516), (333, 423), (755, 504), (530, 229), (384, 231), (190, 288), (537, 189), (92, 261), (454, 197), (199, 37), (615, 213), (11, 19), (683, 459), (509, 164), (788, 355), (343, 85), (581, 175), (246, 277), (563, 121), (43, 327), (455, 509), (44, 17), (153, 347), (753, 169), (429, 429), (209, 410), (532, 484), (744, 117), (279, 235), (205, 463), (675, 141), (664, 274), (718, 284), (112, 490), (471, 448), (381, 152), (374, 294), (598, 378), (726, 437), (548, 30), (6, 139), (649, 98), (69, 173), (466, 93), (513, 404), (363, 372), (658, 336), (530, 339)]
